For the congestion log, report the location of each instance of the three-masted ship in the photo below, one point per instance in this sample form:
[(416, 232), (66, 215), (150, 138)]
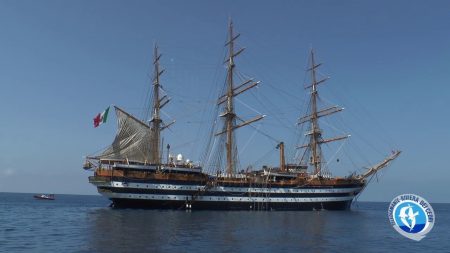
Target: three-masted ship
[(132, 173)]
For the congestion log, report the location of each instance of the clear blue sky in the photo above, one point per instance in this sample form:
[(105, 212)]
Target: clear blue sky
[(61, 62)]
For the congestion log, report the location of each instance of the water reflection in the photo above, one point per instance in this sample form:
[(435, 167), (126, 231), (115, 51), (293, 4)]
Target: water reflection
[(129, 230), (114, 230)]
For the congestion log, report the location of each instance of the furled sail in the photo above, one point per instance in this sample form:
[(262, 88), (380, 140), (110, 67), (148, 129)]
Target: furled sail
[(133, 140)]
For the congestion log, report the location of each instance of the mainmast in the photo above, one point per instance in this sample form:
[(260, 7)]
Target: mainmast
[(315, 133), (229, 115), (158, 102)]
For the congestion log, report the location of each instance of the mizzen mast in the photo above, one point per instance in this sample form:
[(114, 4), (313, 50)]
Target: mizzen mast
[(232, 91), (315, 133)]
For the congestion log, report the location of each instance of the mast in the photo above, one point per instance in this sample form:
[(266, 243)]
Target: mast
[(230, 115), (155, 122), (315, 133), (232, 91), (315, 130)]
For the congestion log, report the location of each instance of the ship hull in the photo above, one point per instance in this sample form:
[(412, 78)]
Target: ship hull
[(200, 197), (230, 205)]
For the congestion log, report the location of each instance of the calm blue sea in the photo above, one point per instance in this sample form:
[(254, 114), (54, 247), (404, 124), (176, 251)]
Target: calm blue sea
[(75, 223)]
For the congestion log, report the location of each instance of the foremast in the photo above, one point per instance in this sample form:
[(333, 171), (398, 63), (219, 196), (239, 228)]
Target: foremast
[(232, 91), (313, 147), (156, 123)]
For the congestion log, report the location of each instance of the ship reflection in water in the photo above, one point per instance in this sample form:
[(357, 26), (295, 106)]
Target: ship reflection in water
[(127, 230)]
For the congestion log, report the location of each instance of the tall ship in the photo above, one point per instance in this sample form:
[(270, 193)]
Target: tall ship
[(132, 172)]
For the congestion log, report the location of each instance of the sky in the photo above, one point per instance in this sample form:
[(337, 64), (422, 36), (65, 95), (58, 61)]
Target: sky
[(62, 62)]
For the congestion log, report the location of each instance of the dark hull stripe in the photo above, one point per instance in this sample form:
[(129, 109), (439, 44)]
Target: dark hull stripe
[(186, 182), (217, 193), (181, 205)]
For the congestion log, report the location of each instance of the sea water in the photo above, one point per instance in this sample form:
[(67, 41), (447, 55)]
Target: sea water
[(74, 223)]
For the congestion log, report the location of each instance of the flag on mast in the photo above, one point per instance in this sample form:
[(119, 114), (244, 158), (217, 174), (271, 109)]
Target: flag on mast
[(101, 118)]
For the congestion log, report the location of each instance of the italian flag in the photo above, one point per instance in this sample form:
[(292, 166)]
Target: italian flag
[(101, 118)]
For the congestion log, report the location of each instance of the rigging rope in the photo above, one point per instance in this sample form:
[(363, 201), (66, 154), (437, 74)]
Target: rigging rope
[(339, 149), (249, 140), (246, 105)]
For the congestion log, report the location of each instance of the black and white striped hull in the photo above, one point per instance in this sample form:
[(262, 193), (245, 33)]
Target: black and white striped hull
[(197, 197)]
